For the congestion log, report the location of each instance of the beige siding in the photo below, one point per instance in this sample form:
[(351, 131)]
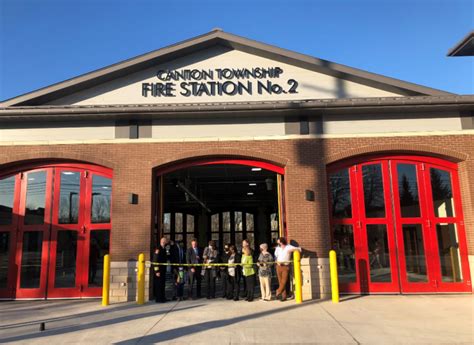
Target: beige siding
[(58, 131), (222, 129), (366, 124), (312, 85)]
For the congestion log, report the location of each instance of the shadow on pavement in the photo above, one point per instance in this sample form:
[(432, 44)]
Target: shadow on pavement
[(32, 309), (345, 298), (174, 333), (90, 325)]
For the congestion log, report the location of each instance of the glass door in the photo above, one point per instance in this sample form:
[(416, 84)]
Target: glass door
[(67, 237), (377, 263), (9, 187), (33, 233), (97, 226), (412, 229), (450, 263), (345, 228)]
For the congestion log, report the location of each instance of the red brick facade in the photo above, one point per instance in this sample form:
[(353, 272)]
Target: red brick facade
[(304, 160)]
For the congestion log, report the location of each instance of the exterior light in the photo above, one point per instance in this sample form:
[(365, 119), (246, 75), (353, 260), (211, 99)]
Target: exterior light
[(252, 184), (250, 193), (256, 169), (68, 173)]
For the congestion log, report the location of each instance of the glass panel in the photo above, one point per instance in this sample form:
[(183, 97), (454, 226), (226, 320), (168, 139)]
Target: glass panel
[(7, 192), (340, 194), (66, 259), (274, 221), (379, 258), (4, 254), (31, 260), (101, 193), (215, 222), (69, 197), (226, 238), (408, 190), (178, 222), (35, 198), (215, 237), (415, 261), (249, 222), (238, 240), (178, 237), (275, 236), (98, 247), (190, 224), (442, 193), (448, 246), (166, 223), (251, 239), (344, 246), (237, 219), (373, 191)]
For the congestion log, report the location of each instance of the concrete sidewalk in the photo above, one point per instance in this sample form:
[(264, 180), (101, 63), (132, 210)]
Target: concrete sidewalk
[(446, 319)]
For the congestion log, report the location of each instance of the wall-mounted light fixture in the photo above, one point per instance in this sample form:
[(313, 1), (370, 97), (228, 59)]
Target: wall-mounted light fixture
[(133, 198), (309, 195)]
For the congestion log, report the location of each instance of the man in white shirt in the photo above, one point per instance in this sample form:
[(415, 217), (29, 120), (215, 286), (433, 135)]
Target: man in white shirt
[(283, 258)]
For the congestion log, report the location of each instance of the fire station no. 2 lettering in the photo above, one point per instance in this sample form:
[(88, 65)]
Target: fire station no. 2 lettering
[(219, 82)]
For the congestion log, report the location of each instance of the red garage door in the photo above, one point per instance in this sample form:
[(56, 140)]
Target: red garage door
[(397, 225), (54, 231)]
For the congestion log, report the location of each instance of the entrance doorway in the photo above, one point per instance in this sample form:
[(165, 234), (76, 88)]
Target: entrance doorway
[(223, 200), (397, 225), (54, 231)]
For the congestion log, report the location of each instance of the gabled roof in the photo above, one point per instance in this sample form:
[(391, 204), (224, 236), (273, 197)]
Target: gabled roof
[(465, 47), (217, 37)]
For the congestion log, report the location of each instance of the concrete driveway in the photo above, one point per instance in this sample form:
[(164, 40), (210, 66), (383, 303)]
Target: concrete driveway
[(445, 319)]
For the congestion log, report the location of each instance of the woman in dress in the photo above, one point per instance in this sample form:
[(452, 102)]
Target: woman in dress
[(265, 272)]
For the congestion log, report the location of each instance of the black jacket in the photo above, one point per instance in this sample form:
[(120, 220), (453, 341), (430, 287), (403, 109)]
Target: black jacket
[(224, 258), (174, 255), (238, 268), (161, 257)]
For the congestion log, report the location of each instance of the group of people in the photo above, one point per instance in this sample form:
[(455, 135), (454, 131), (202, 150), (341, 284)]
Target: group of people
[(234, 268)]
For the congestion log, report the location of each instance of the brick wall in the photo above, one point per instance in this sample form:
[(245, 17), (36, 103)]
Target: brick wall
[(305, 161)]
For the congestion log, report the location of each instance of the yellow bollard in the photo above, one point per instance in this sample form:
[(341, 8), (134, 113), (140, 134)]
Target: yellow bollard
[(298, 280), (141, 279), (106, 281), (334, 278)]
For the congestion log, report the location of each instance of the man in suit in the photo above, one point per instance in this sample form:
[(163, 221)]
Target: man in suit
[(177, 256), (194, 256), (159, 277)]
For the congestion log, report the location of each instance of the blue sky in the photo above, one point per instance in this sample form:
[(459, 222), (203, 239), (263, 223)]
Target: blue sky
[(47, 41)]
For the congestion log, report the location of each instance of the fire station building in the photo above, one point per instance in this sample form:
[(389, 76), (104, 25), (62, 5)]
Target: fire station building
[(222, 137)]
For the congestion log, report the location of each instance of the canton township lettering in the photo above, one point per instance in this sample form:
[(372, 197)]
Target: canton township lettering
[(218, 82)]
